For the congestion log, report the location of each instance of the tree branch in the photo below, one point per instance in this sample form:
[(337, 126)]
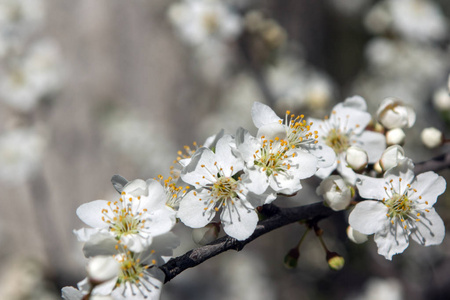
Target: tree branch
[(275, 217)]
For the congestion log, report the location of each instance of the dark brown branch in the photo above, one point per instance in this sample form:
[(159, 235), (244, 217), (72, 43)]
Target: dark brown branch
[(275, 218), (436, 164)]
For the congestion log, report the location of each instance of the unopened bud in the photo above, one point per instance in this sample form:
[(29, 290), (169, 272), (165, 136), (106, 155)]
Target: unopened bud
[(441, 100), (356, 158), (102, 268), (335, 192), (432, 137), (391, 157), (335, 261), (377, 167), (392, 113), (395, 136), (206, 235), (355, 236), (291, 259)]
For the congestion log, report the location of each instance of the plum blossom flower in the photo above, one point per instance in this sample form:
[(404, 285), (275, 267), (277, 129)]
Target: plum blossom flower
[(219, 187), (134, 220), (344, 128), (295, 130), (272, 163), (402, 208)]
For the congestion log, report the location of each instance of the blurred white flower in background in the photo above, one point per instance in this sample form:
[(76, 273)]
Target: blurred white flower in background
[(201, 21), (296, 85), (140, 142), (20, 17), (21, 153), (28, 79), (381, 289), (414, 20)]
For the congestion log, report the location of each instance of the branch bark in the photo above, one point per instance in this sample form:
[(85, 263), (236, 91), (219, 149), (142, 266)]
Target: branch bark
[(275, 217)]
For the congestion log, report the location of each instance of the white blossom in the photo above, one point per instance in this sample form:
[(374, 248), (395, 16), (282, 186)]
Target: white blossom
[(402, 208), (271, 162), (218, 187), (345, 127), (295, 130), (139, 215)]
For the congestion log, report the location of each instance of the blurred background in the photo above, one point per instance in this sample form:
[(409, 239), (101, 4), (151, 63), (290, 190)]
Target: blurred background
[(92, 88)]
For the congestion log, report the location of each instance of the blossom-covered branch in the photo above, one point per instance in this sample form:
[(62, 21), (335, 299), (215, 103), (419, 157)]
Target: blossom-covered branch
[(276, 217)]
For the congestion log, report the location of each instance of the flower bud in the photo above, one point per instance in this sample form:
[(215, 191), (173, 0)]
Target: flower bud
[(102, 268), (355, 236), (441, 100), (206, 235), (391, 157), (377, 167), (336, 194), (356, 158), (291, 259), (432, 137), (392, 113), (395, 136), (335, 261)]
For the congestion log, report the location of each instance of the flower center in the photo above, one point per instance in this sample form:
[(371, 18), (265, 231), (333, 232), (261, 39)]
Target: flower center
[(121, 219), (337, 140), (298, 130), (224, 188), (271, 157), (399, 206)]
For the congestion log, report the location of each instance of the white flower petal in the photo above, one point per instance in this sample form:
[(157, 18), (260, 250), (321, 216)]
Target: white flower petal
[(160, 221), (355, 102), (272, 131), (325, 155), (238, 220), (430, 230), (429, 185), (196, 175), (369, 217), (136, 242), (192, 209), (263, 114), (230, 163), (371, 188), (256, 180), (91, 213), (304, 164), (392, 240), (403, 170), (373, 143)]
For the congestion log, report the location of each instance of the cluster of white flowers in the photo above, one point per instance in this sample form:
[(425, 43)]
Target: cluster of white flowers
[(134, 233), (227, 179)]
